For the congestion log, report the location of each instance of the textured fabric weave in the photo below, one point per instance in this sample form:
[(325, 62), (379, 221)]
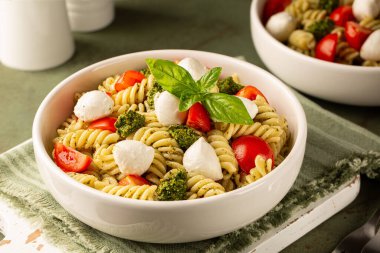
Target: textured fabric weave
[(330, 139)]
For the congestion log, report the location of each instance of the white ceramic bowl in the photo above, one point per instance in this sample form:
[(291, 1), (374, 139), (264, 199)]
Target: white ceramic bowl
[(177, 221), (354, 85)]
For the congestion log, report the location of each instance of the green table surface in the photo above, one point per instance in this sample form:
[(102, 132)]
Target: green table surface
[(219, 26)]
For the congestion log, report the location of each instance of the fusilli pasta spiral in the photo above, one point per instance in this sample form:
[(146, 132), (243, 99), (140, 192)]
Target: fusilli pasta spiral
[(302, 40), (142, 192), (199, 186), (267, 115), (132, 95), (345, 54), (104, 160), (262, 167), (150, 118), (313, 15), (346, 2), (88, 180), (368, 22), (298, 8), (89, 138), (108, 179), (121, 109), (71, 124), (371, 63), (339, 30), (228, 184), (224, 152), (108, 85)]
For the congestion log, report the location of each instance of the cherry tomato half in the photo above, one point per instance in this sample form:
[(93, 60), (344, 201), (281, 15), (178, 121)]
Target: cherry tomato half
[(326, 48), (107, 123), (133, 180), (198, 118), (341, 15), (69, 159), (246, 148), (127, 79), (356, 34), (250, 92)]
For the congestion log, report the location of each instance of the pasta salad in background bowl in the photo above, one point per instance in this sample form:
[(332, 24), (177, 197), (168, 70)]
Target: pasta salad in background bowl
[(140, 145), (326, 48)]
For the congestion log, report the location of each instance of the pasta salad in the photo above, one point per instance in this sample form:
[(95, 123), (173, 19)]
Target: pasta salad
[(341, 31), (171, 131)]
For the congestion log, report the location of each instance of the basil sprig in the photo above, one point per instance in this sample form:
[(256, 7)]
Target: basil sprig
[(176, 80)]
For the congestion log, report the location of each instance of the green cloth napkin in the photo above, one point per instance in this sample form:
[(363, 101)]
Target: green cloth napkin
[(330, 138)]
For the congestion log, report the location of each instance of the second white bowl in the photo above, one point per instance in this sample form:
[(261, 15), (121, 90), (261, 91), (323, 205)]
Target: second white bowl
[(354, 85)]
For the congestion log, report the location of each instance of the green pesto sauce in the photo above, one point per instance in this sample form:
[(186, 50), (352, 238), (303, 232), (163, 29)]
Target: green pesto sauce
[(173, 185), (145, 72), (152, 92), (321, 28), (184, 135), (128, 123), (328, 5), (228, 86)]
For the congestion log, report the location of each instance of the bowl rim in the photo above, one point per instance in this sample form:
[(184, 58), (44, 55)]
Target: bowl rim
[(40, 150), (255, 18)]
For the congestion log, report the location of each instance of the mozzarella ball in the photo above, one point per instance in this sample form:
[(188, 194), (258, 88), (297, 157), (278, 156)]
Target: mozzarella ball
[(194, 67), (166, 107), (366, 8), (371, 47), (133, 157), (93, 105), (250, 106), (281, 25), (200, 158)]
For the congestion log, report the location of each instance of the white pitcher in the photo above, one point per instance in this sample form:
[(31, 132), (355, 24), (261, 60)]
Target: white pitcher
[(34, 34)]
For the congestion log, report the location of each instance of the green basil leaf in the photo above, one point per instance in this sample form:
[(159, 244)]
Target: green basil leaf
[(210, 79), (226, 108), (187, 100), (172, 77)]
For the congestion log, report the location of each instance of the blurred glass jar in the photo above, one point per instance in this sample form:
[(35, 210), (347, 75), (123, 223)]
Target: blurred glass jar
[(90, 15)]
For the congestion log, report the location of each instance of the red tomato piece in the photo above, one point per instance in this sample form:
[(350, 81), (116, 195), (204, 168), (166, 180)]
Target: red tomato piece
[(127, 79), (133, 180), (274, 6), (107, 123), (198, 118), (342, 14), (326, 48), (69, 159), (246, 148), (250, 92), (356, 34)]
